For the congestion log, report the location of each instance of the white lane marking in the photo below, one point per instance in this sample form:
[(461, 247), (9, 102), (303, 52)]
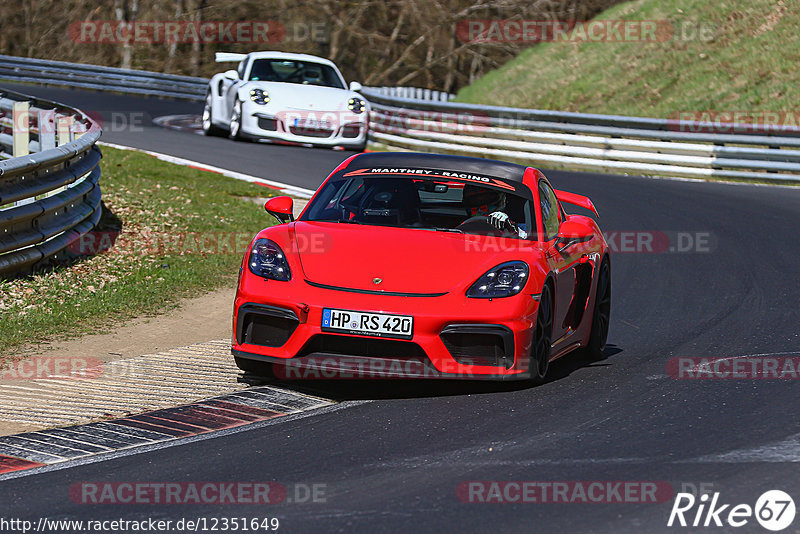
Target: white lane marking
[(719, 181), (286, 188), (787, 450)]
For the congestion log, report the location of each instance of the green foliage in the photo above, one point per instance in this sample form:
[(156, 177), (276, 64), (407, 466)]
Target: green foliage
[(746, 62)]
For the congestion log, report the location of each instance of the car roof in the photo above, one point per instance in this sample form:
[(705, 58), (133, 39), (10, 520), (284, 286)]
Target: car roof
[(288, 55), (497, 169)]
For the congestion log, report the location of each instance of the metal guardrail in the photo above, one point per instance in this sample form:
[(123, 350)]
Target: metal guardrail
[(607, 143), (410, 118), (137, 82), (140, 82), (415, 93), (49, 174)]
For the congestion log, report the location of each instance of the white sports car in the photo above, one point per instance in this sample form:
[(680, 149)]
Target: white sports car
[(282, 97)]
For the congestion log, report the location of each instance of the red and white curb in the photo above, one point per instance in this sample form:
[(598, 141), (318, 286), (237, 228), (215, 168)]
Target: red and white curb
[(47, 447), (286, 189)]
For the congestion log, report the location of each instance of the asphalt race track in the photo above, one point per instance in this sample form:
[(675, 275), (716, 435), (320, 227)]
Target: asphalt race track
[(394, 462), (127, 120)]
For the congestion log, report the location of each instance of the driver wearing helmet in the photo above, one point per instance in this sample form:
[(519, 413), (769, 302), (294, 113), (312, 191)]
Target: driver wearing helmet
[(482, 201)]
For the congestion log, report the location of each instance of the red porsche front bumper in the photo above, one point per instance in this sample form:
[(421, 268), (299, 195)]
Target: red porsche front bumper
[(453, 336)]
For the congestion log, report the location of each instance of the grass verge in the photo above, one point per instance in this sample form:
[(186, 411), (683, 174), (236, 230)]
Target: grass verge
[(731, 55), (179, 232)]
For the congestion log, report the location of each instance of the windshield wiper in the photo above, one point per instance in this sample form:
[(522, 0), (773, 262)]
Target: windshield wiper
[(346, 221), (438, 229)]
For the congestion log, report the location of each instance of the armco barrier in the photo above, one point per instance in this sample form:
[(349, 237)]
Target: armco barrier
[(409, 118), (584, 141), (140, 82), (49, 174), (137, 82)]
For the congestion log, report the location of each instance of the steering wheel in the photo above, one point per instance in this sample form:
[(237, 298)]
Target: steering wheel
[(480, 225)]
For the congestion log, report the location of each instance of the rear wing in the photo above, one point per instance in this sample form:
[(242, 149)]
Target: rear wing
[(576, 200), (225, 57)]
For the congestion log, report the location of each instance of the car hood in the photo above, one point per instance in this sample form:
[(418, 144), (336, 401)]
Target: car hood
[(404, 260), (303, 97)]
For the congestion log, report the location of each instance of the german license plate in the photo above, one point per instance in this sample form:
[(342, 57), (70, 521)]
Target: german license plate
[(312, 124), (367, 323)]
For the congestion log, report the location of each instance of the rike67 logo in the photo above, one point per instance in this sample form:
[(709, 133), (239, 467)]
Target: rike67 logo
[(774, 510)]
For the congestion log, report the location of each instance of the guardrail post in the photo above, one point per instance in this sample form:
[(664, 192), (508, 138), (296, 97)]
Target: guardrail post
[(47, 130), (64, 128), (21, 134), (78, 129)]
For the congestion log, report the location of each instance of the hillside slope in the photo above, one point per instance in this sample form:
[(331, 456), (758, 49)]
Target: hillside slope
[(746, 61)]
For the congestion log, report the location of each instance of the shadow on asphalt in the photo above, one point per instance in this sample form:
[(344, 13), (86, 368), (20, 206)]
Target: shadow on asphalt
[(377, 389)]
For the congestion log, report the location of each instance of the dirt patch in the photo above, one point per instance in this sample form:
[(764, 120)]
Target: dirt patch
[(772, 19)]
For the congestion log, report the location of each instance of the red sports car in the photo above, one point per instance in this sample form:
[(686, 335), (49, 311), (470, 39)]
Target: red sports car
[(423, 265)]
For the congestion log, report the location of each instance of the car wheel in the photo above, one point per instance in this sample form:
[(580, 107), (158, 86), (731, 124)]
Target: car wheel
[(361, 147), (254, 367), (236, 121), (540, 355), (602, 313), (208, 126)]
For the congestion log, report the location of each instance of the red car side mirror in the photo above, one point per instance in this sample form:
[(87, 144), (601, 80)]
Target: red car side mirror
[(573, 230), (280, 208)]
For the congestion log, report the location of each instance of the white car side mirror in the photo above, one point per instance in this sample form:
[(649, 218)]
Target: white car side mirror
[(231, 74), (355, 86)]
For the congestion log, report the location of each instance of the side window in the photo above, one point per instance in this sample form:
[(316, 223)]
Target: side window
[(240, 68), (549, 207)]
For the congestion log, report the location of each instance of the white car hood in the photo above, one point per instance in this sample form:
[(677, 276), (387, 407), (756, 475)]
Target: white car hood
[(295, 96)]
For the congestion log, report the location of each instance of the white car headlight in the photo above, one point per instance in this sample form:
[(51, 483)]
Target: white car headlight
[(259, 96), (356, 105)]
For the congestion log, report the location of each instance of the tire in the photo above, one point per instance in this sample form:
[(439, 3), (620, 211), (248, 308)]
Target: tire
[(236, 121), (208, 127), (361, 147), (254, 367), (601, 315), (542, 337)]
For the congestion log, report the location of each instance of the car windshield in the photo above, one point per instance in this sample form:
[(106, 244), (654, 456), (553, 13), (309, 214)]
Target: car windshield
[(428, 204), (293, 71)]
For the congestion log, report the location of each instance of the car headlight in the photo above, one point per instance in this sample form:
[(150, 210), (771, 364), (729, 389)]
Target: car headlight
[(505, 280), (268, 261), (356, 105), (259, 96)]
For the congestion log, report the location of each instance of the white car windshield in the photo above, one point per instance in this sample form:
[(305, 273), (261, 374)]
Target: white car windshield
[(293, 71)]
